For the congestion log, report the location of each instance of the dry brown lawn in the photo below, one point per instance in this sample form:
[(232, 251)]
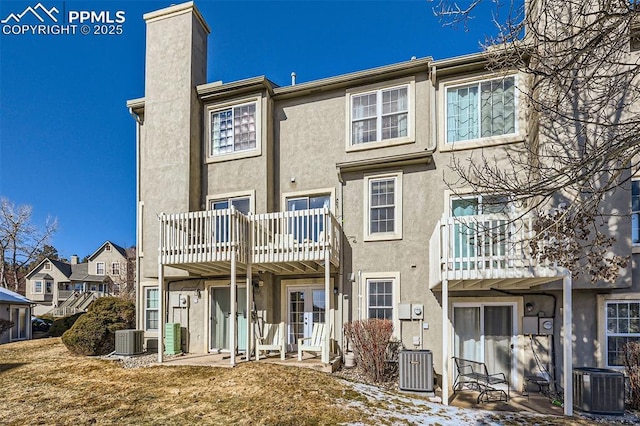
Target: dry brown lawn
[(42, 383)]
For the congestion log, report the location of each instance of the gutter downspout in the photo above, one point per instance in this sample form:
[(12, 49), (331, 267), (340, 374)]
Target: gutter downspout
[(136, 282), (341, 267), (433, 115)]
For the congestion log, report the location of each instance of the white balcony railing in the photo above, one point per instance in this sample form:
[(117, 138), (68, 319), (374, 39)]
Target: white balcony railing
[(203, 237), (217, 235), (481, 246), (295, 236)]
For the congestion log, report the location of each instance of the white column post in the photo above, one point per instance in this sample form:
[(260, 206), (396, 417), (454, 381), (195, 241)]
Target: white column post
[(445, 342), (160, 293), (328, 295), (249, 311), (567, 327), (232, 294)]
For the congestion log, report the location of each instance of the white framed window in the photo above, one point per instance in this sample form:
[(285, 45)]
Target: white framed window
[(100, 269), (151, 314), (383, 207), (622, 326), (48, 287), (107, 247), (478, 204), (381, 115), (47, 266), (233, 129), (20, 320), (481, 109), (242, 204), (115, 268), (37, 287), (635, 212), (382, 295)]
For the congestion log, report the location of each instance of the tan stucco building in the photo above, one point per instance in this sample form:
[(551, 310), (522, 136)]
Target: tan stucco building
[(324, 202)]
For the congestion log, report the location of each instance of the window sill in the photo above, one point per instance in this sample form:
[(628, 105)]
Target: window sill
[(480, 143), (383, 237), (380, 144), (635, 249), (234, 156)]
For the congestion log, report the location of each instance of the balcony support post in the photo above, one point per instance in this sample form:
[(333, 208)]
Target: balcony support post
[(328, 296), (160, 290), (249, 311), (445, 342)]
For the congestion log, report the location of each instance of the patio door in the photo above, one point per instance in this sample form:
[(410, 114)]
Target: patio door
[(220, 317), (486, 333), (306, 306)]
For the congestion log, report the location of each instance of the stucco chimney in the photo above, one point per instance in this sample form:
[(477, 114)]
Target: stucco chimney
[(74, 259), (170, 146)]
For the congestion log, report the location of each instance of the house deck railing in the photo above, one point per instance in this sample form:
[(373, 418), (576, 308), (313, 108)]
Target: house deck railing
[(217, 235), (489, 246), (203, 237), (295, 236)]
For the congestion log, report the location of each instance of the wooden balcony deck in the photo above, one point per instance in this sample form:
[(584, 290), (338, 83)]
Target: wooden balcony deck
[(206, 242), (486, 251)]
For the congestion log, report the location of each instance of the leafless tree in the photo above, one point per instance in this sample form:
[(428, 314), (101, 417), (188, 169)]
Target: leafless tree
[(20, 241), (582, 142)]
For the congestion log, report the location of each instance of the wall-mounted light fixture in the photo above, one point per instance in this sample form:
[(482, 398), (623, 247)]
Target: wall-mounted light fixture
[(529, 306)]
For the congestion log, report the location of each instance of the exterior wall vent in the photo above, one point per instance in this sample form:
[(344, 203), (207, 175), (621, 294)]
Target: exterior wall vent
[(598, 390), (416, 370), (129, 342)]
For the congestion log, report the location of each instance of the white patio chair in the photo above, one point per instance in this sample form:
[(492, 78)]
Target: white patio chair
[(315, 342), (273, 339)]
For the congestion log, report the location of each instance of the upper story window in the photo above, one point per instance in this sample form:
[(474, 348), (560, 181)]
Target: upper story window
[(48, 285), (242, 204), (310, 225), (100, 268), (383, 195), (381, 115), (234, 129), (635, 212), (623, 326), (481, 110), (115, 268), (47, 266), (107, 247), (479, 204), (37, 287)]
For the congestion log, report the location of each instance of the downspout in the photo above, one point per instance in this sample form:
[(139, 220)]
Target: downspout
[(136, 282), (341, 267), (432, 145)]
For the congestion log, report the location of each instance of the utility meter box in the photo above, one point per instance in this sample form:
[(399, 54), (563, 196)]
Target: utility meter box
[(417, 311), (545, 325), (530, 325), (404, 311)]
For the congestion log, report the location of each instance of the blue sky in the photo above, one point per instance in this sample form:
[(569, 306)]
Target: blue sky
[(67, 142)]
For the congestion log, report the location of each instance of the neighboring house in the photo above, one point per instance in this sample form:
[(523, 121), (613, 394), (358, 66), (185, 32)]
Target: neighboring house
[(15, 308), (63, 288), (324, 202)]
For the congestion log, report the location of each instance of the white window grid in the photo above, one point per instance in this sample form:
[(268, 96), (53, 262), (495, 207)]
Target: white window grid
[(151, 317), (48, 287), (622, 326), (37, 287), (380, 299), (382, 205), (47, 266), (100, 268), (115, 268), (380, 115)]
